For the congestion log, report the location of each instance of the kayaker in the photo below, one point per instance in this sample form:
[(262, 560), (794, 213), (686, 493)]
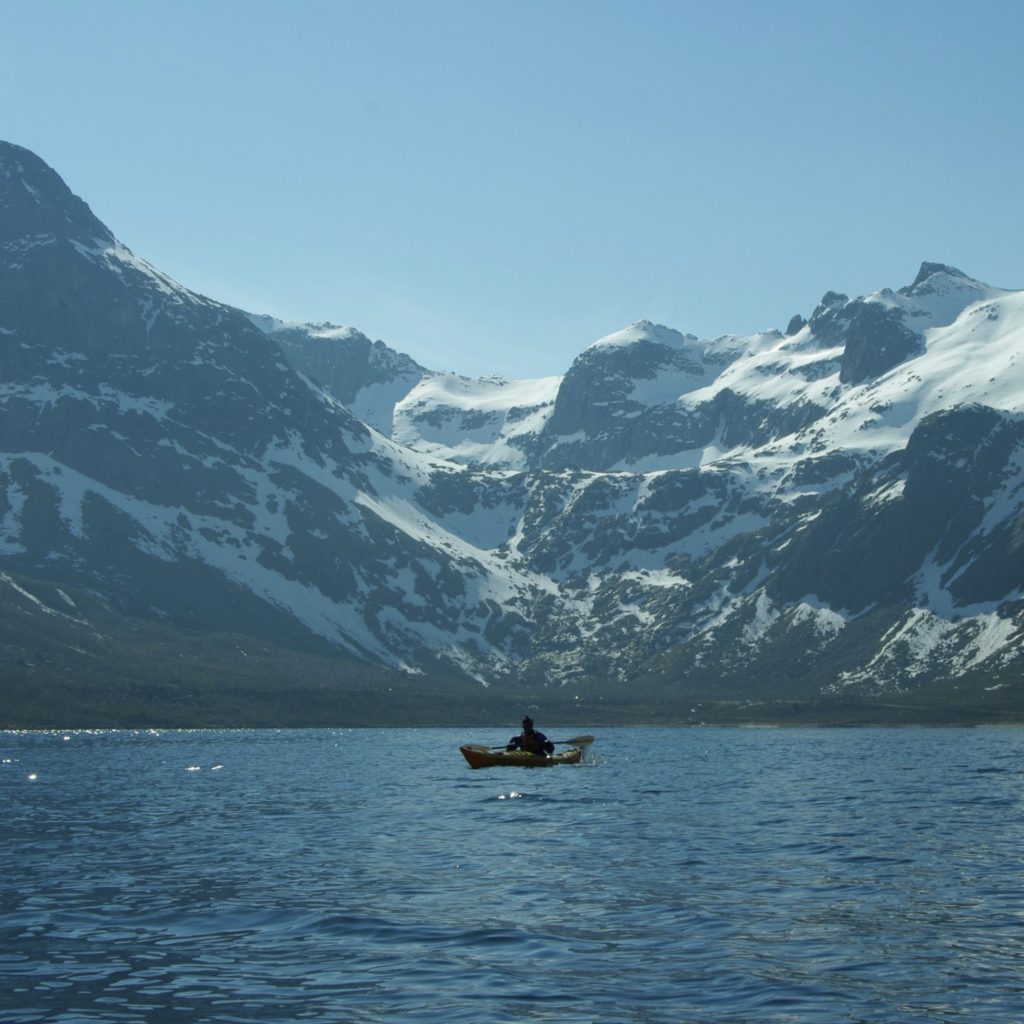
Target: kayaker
[(530, 741)]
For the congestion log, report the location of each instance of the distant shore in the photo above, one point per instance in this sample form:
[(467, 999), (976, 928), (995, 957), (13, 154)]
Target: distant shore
[(404, 713)]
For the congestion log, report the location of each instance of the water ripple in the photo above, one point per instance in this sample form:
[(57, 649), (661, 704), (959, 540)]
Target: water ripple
[(732, 876)]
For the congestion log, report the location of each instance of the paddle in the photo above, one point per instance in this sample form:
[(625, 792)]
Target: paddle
[(575, 741)]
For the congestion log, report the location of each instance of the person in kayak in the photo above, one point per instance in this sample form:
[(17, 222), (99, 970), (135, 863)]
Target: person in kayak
[(529, 741)]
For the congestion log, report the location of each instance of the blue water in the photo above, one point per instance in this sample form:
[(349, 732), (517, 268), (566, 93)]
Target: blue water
[(699, 875)]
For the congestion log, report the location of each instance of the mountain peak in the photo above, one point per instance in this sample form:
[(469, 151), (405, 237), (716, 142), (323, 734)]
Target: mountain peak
[(930, 269), (35, 201), (643, 331), (829, 301)]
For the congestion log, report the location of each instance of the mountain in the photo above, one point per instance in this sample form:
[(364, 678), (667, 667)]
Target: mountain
[(366, 376), (826, 513), (159, 448)]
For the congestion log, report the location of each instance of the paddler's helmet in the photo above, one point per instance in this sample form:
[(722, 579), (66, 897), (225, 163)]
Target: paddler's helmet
[(528, 722)]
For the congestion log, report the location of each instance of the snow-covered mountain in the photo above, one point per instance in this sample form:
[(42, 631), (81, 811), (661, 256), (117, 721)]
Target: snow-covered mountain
[(831, 508), (366, 376)]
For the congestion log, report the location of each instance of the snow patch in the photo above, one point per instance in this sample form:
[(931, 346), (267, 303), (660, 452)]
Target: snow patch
[(824, 620), (644, 331)]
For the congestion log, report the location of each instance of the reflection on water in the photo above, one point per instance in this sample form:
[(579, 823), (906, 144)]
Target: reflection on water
[(694, 875)]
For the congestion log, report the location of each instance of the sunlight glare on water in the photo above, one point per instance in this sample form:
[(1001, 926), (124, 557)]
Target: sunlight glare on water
[(728, 876)]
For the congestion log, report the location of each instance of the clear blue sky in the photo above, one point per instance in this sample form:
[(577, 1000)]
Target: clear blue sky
[(492, 185)]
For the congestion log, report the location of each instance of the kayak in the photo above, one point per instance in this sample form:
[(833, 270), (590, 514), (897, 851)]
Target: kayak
[(484, 757)]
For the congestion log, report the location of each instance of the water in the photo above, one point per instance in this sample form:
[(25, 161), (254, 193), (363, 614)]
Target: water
[(698, 875)]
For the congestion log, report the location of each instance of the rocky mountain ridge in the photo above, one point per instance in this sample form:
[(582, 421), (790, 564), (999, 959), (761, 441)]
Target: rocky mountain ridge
[(831, 508)]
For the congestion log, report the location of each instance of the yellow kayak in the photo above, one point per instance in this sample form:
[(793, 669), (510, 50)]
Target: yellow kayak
[(483, 757)]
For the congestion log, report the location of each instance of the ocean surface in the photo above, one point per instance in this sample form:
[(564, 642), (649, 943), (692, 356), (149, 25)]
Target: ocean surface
[(704, 875)]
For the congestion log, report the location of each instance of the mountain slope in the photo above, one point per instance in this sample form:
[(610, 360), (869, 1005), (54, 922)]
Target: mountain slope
[(833, 509), (367, 377), (158, 447)]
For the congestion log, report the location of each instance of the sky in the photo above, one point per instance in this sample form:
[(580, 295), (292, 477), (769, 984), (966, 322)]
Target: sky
[(492, 185)]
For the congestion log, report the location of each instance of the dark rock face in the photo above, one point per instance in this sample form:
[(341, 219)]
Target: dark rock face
[(830, 302), (990, 567), (924, 502), (37, 208), (877, 339), (595, 417), (344, 362)]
